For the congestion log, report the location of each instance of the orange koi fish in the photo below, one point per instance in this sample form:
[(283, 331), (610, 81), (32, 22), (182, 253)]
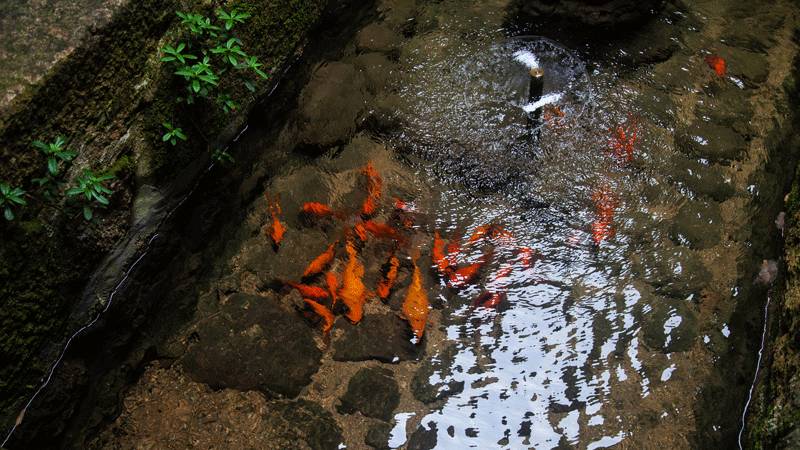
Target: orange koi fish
[(374, 186), (322, 311), (320, 262), (276, 229), (605, 207), (385, 285), (415, 306), (437, 252), (402, 205), (314, 292), (718, 64), (489, 299), (503, 273), (479, 233), (491, 231), (382, 230), (316, 209), (353, 292), (453, 250), (464, 275), (333, 285)]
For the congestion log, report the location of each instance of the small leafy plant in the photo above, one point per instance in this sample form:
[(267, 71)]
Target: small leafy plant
[(230, 51), (199, 76), (198, 24), (173, 134), (92, 191), (223, 157), (231, 18), (11, 198), (55, 151), (176, 53)]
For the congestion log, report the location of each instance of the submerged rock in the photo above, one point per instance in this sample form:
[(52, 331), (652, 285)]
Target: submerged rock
[(383, 337), (378, 436), (715, 142), (593, 13), (373, 392), (330, 105), (422, 438), (377, 37), (254, 343), (698, 224)]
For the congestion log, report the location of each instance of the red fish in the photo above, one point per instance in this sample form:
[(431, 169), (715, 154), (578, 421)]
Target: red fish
[(605, 207), (438, 255), (528, 256), (374, 187), (314, 292), (276, 229), (333, 286), (402, 205), (361, 231), (382, 230), (479, 233), (623, 140), (461, 276), (453, 250), (503, 273), (320, 262), (489, 299), (322, 311), (385, 285), (316, 209), (718, 64)]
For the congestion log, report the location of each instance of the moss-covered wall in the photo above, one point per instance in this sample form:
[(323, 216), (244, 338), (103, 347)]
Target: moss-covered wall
[(109, 98)]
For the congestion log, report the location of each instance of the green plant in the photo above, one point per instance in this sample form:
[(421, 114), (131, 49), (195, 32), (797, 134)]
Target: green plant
[(176, 53), (173, 134), (54, 151), (251, 62), (90, 187), (198, 23), (9, 199), (230, 51), (231, 18), (221, 156), (227, 103), (199, 77)]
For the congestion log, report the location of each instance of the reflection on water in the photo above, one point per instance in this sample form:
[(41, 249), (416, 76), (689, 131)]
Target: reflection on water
[(598, 340)]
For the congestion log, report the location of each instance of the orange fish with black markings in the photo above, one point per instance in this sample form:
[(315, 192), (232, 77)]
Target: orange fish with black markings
[(416, 305), (321, 262), (353, 292), (387, 282), (323, 312), (276, 229), (314, 292)]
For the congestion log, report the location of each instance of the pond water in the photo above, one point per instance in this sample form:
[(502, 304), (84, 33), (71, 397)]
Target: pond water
[(626, 218)]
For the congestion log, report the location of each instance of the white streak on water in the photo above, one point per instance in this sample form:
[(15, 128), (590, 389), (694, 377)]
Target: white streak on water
[(755, 375)]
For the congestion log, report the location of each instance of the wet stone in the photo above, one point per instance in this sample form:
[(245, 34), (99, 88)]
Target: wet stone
[(379, 71), (669, 326), (254, 343), (373, 392), (427, 392), (707, 140), (750, 66), (673, 271), (382, 337), (305, 422), (698, 224), (423, 438), (378, 436), (377, 37), (330, 105), (727, 105), (701, 179)]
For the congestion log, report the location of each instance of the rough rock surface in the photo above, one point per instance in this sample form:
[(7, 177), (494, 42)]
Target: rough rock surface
[(254, 343), (383, 337), (203, 418), (594, 13), (373, 392), (330, 105)]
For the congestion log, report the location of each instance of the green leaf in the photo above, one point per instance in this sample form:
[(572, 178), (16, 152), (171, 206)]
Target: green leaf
[(179, 134), (195, 85), (8, 214), (250, 86), (167, 58), (52, 166), (102, 200), (166, 137), (73, 191), (87, 213)]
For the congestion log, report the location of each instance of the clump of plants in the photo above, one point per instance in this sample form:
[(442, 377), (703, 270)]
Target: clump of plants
[(10, 198), (210, 51), (91, 191)]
